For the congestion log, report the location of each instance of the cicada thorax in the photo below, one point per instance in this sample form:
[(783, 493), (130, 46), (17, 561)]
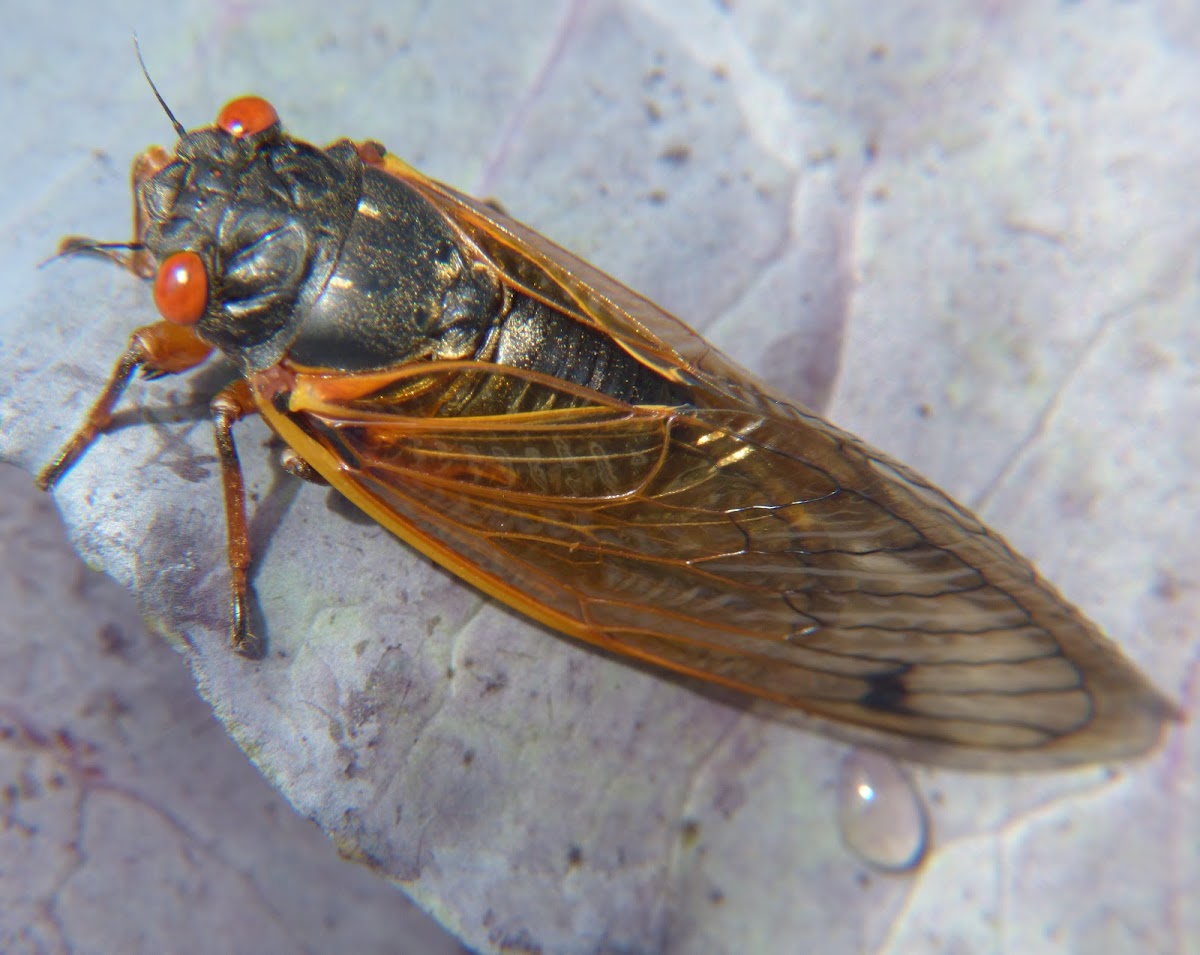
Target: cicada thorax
[(320, 257), (265, 216)]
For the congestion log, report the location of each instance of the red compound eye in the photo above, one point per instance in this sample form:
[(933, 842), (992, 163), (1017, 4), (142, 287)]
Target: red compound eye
[(246, 116), (181, 288)]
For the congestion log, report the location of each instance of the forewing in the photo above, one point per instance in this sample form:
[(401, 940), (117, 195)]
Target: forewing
[(530, 262), (771, 553)]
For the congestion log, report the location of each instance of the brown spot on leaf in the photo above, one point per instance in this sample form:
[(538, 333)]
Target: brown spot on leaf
[(677, 154)]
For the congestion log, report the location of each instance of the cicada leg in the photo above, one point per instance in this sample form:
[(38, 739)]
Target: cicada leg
[(231, 405), (132, 255), (296, 466), (160, 349)]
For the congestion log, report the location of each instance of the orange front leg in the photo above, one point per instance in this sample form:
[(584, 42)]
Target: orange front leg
[(160, 349), (132, 255)]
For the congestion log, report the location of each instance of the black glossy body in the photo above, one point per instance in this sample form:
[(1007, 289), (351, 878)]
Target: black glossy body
[(315, 256)]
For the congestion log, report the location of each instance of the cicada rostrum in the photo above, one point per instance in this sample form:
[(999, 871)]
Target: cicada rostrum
[(571, 449)]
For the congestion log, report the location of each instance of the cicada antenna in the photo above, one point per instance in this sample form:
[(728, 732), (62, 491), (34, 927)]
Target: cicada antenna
[(80, 245), (179, 130)]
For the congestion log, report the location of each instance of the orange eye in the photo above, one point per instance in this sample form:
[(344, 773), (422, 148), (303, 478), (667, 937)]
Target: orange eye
[(181, 288), (246, 116)]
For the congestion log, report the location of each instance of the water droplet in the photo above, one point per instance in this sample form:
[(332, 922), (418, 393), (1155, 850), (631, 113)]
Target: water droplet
[(880, 813)]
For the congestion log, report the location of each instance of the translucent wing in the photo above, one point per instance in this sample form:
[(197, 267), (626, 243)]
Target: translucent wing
[(771, 553), (532, 263), (738, 539)]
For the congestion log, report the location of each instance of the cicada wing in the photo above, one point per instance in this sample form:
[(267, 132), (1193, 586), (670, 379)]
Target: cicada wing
[(530, 262), (770, 553)]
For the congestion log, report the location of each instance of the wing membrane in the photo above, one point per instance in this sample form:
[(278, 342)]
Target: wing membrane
[(532, 263), (771, 553)]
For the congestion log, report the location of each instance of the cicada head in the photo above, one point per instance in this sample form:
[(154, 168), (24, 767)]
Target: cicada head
[(245, 224)]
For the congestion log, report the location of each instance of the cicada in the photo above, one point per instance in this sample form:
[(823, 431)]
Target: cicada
[(571, 449)]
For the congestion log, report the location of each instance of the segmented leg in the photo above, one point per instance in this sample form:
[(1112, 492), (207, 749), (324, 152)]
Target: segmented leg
[(296, 466), (228, 407), (161, 349), (132, 256)]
